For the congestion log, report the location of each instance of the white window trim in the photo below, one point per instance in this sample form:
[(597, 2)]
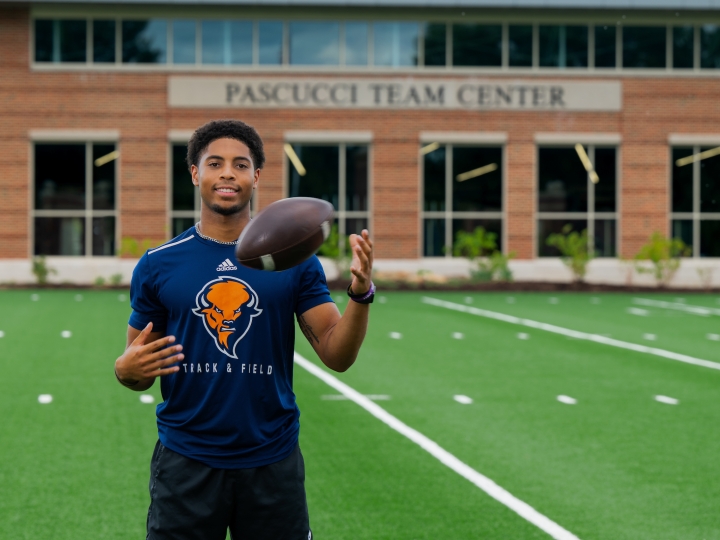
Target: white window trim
[(88, 138), (464, 137), (330, 137), (569, 138), (590, 215), (459, 139)]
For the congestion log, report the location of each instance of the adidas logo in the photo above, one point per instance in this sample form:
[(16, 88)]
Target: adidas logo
[(226, 265)]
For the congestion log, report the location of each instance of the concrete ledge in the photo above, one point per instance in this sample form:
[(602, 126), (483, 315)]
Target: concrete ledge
[(693, 273)]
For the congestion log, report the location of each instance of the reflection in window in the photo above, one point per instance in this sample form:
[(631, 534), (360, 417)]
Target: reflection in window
[(477, 179), (144, 42), (563, 46), (103, 176), (104, 41), (356, 44), (477, 45), (683, 46), (605, 46), (326, 178), (59, 176), (435, 42), (710, 46), (74, 208), (682, 182), (644, 46), (710, 184), (395, 44), (520, 38), (227, 42), (270, 42), (185, 202), (566, 196), (59, 236), (710, 238), (183, 42), (683, 230), (61, 40), (473, 176), (103, 236), (563, 181), (314, 43)]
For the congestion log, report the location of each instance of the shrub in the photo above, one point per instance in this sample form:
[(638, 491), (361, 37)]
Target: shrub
[(664, 255), (487, 261), (574, 250), (41, 270)]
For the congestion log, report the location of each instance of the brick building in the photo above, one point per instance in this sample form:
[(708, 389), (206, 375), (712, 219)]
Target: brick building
[(416, 119)]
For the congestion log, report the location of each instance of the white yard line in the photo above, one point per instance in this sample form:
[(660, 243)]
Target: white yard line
[(523, 509), (696, 310), (572, 333)]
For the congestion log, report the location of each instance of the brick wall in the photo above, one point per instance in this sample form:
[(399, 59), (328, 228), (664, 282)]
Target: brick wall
[(136, 105)]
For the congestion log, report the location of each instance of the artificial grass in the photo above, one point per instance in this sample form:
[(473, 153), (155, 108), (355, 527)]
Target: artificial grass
[(616, 465)]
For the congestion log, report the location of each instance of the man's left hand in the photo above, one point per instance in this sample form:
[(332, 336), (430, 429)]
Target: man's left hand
[(362, 260)]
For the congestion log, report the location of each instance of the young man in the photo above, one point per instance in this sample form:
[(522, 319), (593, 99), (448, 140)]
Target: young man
[(221, 337)]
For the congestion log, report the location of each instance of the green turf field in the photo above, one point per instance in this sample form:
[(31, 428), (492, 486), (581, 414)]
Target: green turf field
[(617, 464)]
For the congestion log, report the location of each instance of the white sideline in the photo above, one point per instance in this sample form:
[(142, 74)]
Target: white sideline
[(523, 509), (572, 333), (697, 310)]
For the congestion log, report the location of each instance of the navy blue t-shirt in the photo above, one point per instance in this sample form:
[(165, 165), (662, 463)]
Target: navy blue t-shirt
[(231, 405)]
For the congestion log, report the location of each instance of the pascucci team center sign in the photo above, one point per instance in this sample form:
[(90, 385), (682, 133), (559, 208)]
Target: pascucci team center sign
[(393, 93)]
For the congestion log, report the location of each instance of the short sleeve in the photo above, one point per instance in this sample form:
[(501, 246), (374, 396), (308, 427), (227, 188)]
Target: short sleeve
[(144, 299), (313, 286)]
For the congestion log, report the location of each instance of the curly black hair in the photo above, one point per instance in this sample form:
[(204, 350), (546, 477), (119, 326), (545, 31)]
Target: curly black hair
[(222, 129)]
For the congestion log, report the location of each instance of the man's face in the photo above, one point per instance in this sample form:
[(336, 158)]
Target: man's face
[(226, 176)]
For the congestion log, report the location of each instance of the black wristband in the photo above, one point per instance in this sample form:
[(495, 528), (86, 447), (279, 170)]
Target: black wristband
[(365, 298)]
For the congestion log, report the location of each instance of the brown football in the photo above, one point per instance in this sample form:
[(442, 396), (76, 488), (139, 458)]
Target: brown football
[(284, 234)]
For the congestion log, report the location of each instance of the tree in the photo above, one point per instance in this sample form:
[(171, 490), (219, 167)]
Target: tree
[(664, 254), (574, 250)]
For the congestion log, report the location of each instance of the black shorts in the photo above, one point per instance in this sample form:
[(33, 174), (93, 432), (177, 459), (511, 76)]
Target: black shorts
[(191, 501)]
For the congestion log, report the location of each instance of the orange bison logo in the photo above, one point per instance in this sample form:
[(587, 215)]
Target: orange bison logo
[(227, 306)]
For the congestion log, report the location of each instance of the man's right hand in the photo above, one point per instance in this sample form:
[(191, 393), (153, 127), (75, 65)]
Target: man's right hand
[(148, 355)]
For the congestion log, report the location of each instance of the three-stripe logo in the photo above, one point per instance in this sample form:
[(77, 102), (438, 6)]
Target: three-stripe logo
[(226, 265)]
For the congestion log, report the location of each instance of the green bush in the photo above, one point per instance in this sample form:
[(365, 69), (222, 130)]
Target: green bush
[(574, 250), (41, 270), (664, 255), (337, 249), (487, 261)]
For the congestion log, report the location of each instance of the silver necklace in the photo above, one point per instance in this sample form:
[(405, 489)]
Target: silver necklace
[(201, 235)]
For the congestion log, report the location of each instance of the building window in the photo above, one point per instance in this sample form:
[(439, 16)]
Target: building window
[(605, 46), (683, 47), (563, 46), (644, 46), (462, 190), (336, 173), (315, 43), (144, 42), (74, 211), (393, 44), (520, 45), (567, 196), (695, 202), (63, 40), (477, 45), (227, 42), (710, 46)]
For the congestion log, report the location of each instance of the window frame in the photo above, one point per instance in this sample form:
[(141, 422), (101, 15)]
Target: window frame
[(451, 141), (342, 140), (696, 216), (590, 216), (88, 213), (343, 19)]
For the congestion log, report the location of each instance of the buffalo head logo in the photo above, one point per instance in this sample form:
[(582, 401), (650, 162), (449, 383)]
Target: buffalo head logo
[(227, 306)]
